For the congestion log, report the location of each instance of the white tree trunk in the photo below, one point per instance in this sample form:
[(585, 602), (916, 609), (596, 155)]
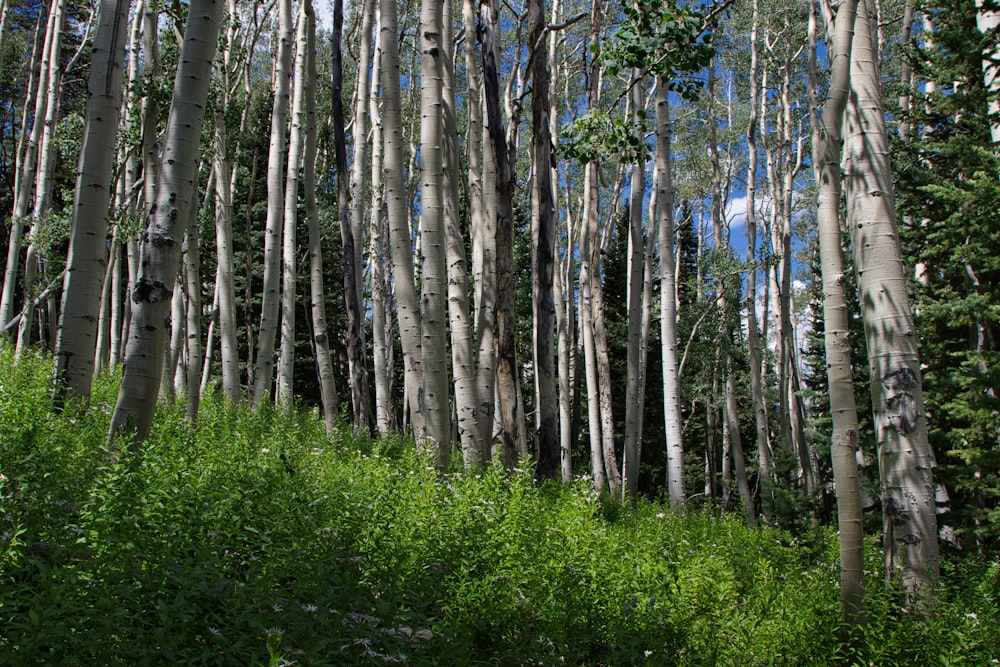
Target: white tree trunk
[(87, 260), (133, 413), (400, 238), (320, 329), (906, 461), (286, 355), (274, 226)]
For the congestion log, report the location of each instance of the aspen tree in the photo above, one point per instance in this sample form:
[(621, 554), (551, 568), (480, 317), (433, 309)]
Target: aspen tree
[(357, 376), (507, 384), (481, 184), (827, 145), (408, 314), (274, 226), (545, 247), (753, 334), (320, 328), (85, 265), (160, 263), (381, 285), (906, 461), (286, 354)]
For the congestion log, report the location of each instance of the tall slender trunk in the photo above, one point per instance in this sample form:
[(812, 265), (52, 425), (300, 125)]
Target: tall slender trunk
[(489, 23), (636, 264), (433, 277), (827, 148), (85, 265), (400, 238), (381, 313), (133, 413), (317, 291), (906, 461), (357, 375), (731, 432), (544, 306), (481, 181), (225, 286), (264, 373), (753, 335), (668, 301), (290, 215)]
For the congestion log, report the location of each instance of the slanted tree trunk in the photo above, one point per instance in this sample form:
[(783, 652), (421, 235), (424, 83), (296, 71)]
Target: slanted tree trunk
[(133, 415), (827, 145), (87, 259), (264, 373), (906, 461), (26, 160)]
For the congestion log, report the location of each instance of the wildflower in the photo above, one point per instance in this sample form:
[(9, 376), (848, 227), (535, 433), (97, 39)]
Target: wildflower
[(274, 632), (647, 653), (310, 608), (264, 450), (215, 632), (277, 608), (661, 515)]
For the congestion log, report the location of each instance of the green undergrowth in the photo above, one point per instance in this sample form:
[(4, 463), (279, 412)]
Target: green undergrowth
[(256, 539)]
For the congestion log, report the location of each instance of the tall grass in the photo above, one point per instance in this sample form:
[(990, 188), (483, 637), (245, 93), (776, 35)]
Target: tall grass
[(252, 538)]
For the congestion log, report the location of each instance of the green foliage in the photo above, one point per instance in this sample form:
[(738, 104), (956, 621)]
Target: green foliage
[(251, 538), (948, 196)]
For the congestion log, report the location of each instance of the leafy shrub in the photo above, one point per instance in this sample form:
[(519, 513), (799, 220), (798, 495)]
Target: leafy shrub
[(251, 538)]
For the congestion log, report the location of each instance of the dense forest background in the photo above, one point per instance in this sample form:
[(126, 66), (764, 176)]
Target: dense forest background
[(584, 235)]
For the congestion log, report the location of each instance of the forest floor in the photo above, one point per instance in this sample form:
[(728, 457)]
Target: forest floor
[(252, 538)]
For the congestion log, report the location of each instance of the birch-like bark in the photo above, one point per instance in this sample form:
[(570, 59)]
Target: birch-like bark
[(827, 145), (764, 475), (34, 264), (192, 327), (26, 161), (433, 278), (732, 441), (225, 287), (274, 226), (672, 419), (359, 144), (87, 259), (906, 461), (133, 415), (400, 238), (381, 324), (286, 353), (481, 179), (317, 291)]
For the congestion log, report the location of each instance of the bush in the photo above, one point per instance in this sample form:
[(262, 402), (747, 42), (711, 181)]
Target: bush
[(254, 538)]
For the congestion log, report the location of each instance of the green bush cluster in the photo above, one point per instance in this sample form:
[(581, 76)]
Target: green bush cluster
[(251, 538)]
